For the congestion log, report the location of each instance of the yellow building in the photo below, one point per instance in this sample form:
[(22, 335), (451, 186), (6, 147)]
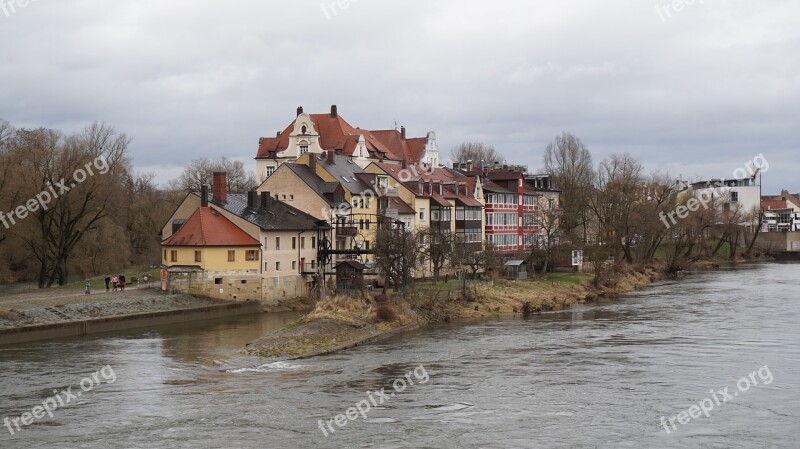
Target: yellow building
[(212, 256)]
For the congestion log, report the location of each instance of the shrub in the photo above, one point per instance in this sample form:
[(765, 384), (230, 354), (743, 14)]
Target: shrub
[(385, 312)]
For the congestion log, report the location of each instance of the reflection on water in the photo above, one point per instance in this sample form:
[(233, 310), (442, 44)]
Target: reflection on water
[(596, 376)]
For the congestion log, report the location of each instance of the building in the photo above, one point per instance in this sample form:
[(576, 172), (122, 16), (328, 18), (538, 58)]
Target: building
[(742, 194), (210, 255), (330, 132), (517, 205), (287, 239), (781, 212)]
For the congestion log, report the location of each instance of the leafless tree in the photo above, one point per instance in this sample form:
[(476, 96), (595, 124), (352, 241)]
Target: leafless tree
[(200, 172), (437, 248), (476, 152), (569, 163), (396, 251)]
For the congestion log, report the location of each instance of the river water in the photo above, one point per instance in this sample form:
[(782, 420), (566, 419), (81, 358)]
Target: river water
[(599, 376)]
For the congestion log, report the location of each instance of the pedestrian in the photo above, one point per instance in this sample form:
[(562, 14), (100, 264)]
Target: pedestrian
[(108, 282), (88, 288), (114, 283), (122, 282)]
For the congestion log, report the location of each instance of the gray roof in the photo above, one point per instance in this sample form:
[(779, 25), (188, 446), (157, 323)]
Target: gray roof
[(345, 171), (312, 179), (279, 217)]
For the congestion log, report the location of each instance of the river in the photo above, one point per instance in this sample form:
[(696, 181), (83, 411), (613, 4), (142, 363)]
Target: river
[(597, 376)]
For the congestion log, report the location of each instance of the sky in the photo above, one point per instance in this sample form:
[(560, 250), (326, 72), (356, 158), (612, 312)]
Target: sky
[(694, 88)]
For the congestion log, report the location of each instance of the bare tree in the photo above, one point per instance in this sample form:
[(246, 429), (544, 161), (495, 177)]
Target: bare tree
[(569, 163), (396, 254), (200, 172), (51, 162), (476, 152), (437, 248)]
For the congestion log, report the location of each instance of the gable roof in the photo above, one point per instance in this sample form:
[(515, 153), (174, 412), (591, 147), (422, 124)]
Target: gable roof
[(335, 133), (279, 216), (207, 227)]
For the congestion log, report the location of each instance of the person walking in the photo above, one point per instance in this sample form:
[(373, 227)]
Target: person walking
[(122, 282), (114, 283), (108, 282), (88, 287)]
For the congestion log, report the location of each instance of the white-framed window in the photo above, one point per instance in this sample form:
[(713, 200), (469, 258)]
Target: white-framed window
[(303, 149), (270, 171), (422, 213)]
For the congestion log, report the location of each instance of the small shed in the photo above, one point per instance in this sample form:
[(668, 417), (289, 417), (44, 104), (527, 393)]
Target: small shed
[(350, 275), (515, 269)]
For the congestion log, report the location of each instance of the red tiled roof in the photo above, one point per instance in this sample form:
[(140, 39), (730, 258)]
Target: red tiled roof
[(336, 134), (773, 204), (207, 227)]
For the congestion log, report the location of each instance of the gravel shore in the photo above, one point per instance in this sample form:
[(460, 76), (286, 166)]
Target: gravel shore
[(34, 309)]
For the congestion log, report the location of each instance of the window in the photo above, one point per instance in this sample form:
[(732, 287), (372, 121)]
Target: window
[(277, 266), (270, 171), (277, 243), (165, 254), (232, 256), (294, 265), (198, 256), (302, 243), (734, 197), (303, 148), (294, 242), (252, 255), (422, 213), (173, 256), (291, 197), (304, 129), (436, 214), (472, 236), (313, 243), (217, 281), (502, 239), (313, 264)]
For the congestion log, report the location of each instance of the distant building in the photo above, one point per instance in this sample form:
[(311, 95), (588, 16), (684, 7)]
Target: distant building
[(781, 212), (330, 132)]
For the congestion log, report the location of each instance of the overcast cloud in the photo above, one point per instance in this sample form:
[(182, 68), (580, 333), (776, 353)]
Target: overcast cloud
[(698, 93)]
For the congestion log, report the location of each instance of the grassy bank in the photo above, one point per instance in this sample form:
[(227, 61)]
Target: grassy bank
[(341, 322)]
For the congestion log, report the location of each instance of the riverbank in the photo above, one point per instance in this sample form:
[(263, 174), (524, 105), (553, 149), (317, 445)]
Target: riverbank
[(344, 322)]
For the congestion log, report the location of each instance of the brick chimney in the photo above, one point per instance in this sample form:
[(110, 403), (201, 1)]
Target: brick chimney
[(331, 157), (403, 132), (220, 186), (299, 111), (334, 111), (204, 196)]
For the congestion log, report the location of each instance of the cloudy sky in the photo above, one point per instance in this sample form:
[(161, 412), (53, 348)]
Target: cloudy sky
[(692, 87)]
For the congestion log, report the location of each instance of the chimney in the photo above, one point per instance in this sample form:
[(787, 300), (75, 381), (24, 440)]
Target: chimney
[(265, 198), (278, 134), (331, 157), (405, 163), (204, 196), (334, 111), (469, 165), (403, 132), (251, 199), (312, 162), (455, 165), (299, 111), (220, 186)]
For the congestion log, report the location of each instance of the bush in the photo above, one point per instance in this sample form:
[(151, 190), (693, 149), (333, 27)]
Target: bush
[(385, 312), (9, 315)]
